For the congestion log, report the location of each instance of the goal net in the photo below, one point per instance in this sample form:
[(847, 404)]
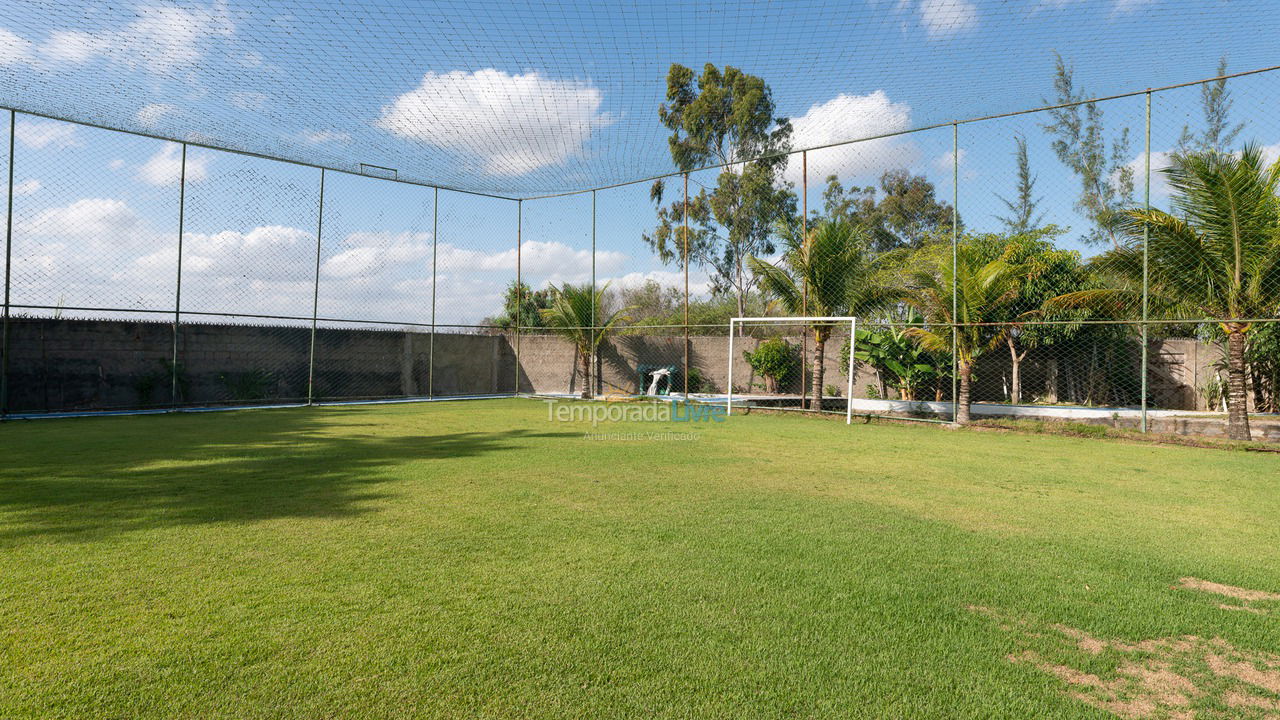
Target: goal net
[(792, 363)]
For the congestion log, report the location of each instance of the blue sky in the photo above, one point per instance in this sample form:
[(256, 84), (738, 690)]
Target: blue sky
[(541, 98)]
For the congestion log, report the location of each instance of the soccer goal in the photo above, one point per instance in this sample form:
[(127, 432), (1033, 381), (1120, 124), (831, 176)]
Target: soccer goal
[(772, 360)]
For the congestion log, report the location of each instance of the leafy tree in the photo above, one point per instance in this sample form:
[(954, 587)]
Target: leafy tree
[(979, 290), (654, 303), (827, 273), (776, 360), (899, 361), (723, 118), (1217, 257), (521, 304), (1048, 272), (570, 315), (1080, 141), (1024, 213), (1215, 103), (901, 211)]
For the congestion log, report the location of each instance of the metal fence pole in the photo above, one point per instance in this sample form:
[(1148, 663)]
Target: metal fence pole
[(431, 345), (594, 359), (315, 298), (1146, 203), (955, 264), (177, 293), (804, 281), (519, 290), (684, 251), (8, 264)]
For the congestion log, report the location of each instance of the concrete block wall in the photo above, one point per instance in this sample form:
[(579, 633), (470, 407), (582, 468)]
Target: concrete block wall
[(58, 365)]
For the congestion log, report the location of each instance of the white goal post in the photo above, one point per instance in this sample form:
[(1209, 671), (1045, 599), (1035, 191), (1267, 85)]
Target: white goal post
[(736, 323)]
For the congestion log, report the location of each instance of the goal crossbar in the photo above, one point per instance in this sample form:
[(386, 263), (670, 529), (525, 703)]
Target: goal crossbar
[(808, 321)]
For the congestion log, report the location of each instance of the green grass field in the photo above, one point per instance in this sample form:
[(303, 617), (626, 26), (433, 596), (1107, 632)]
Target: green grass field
[(473, 559)]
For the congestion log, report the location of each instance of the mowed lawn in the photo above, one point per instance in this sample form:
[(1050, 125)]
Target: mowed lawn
[(473, 559)]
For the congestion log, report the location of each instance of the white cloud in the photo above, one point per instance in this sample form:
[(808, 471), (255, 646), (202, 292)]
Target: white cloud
[(27, 187), (555, 260), (40, 134), (71, 46), (368, 255), (1159, 161), (250, 101), (945, 162), (165, 167), (150, 115), (101, 218), (1162, 160), (850, 117), (513, 123), (14, 49), (166, 37), (317, 137), (945, 18), (268, 252), (699, 283), (163, 38)]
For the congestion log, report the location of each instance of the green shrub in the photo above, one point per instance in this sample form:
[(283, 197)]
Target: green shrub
[(698, 383), (776, 360)]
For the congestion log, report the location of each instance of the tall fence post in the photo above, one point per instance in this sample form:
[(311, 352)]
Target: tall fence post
[(1146, 234), (431, 344), (684, 252), (955, 264), (315, 298), (8, 264), (177, 292), (594, 358), (804, 281), (519, 291)]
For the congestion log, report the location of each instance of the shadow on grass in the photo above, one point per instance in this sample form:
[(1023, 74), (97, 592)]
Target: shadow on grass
[(81, 480)]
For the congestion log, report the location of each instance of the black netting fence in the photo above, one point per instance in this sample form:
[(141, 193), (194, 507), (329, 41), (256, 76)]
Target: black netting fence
[(1107, 261)]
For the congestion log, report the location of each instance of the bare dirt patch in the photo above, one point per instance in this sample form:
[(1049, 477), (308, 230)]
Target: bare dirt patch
[(1174, 678), (1254, 601)]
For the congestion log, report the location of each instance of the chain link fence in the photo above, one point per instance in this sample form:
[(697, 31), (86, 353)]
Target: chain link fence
[(1101, 260)]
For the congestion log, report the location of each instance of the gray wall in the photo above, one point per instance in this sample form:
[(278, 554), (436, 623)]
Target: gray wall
[(58, 365)]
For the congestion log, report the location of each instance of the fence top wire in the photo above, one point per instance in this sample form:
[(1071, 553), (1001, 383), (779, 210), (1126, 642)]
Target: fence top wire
[(541, 98)]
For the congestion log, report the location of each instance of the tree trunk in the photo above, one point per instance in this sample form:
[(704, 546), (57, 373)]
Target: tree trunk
[(1051, 379), (962, 399), (1237, 400), (1015, 373), (586, 374), (819, 344)]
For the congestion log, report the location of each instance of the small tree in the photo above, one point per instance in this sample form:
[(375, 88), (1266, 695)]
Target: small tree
[(977, 290), (1024, 209), (776, 360), (1048, 272), (899, 361), (829, 273), (570, 315), (1080, 142), (521, 306)]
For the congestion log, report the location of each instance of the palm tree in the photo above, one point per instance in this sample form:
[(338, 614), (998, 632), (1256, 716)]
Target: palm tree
[(978, 292), (575, 314), (1216, 257), (829, 273)]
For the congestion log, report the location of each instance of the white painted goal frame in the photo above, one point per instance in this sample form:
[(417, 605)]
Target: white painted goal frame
[(735, 323)]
